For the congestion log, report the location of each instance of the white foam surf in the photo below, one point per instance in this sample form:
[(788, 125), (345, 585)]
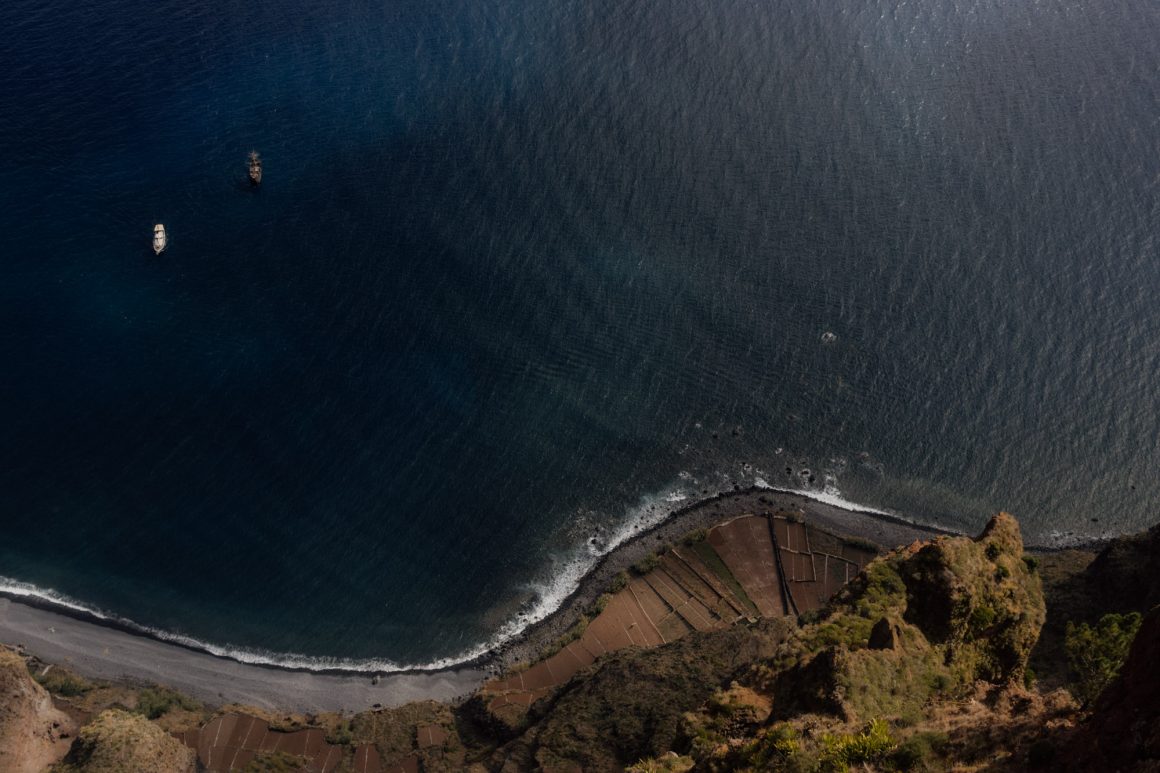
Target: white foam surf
[(564, 578)]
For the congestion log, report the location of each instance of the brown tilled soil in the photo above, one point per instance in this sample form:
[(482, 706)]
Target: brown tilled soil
[(705, 586)]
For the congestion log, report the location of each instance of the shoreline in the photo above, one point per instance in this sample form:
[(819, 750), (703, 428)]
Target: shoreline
[(64, 634)]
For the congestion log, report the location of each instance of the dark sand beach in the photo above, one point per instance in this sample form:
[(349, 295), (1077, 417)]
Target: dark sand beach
[(107, 652)]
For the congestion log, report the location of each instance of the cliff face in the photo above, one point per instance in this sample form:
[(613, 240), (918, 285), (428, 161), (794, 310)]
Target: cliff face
[(953, 617), (932, 617), (33, 733), (1124, 573), (630, 704)]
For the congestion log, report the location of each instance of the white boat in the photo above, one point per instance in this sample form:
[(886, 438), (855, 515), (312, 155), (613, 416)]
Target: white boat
[(160, 240)]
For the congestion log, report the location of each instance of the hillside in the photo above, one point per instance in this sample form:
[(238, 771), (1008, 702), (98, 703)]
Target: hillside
[(763, 643)]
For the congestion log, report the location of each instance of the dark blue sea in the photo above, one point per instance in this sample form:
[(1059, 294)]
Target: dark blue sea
[(525, 274)]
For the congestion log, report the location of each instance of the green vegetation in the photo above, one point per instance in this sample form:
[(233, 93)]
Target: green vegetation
[(872, 745), (941, 620), (646, 564), (275, 762), (777, 748), (60, 682), (1096, 654), (919, 750), (154, 702), (115, 742), (710, 558), (695, 536), (982, 618), (631, 704), (619, 583), (572, 634), (862, 544), (667, 763), (341, 733)]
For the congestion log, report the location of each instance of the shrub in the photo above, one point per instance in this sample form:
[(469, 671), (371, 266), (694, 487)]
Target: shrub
[(982, 618), (992, 552), (669, 763), (777, 748), (341, 734), (862, 543), (601, 603), (647, 564), (695, 536), (63, 683), (1032, 563), (916, 751), (154, 702), (1096, 654), (619, 583), (870, 746)]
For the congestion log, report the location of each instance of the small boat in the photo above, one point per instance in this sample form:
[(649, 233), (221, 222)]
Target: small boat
[(255, 167), (160, 240)]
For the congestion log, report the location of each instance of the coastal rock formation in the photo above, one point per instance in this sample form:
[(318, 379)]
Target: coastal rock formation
[(33, 733), (117, 741), (932, 616), (950, 617), (1123, 732)]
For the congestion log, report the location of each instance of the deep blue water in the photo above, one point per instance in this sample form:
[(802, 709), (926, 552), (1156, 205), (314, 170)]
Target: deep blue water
[(520, 269)]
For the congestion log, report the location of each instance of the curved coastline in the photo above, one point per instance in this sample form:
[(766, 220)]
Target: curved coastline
[(35, 618)]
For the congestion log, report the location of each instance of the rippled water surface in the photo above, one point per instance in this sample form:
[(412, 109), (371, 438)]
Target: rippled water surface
[(525, 274)]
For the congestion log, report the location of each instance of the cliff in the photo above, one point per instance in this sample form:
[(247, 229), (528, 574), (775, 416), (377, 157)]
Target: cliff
[(763, 643), (33, 732)]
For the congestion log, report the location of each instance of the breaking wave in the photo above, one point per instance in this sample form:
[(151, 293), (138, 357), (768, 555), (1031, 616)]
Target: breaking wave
[(566, 573)]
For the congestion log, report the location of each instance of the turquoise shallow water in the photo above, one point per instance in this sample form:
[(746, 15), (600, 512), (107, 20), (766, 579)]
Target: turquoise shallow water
[(524, 276)]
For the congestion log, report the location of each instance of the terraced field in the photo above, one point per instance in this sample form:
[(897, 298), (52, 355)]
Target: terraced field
[(753, 565)]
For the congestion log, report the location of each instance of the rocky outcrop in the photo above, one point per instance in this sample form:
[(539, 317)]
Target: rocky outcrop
[(33, 733), (1123, 731), (630, 704), (1123, 576), (930, 617), (117, 741)]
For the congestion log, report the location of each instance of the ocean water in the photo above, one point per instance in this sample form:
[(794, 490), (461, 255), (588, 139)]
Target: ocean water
[(525, 275)]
